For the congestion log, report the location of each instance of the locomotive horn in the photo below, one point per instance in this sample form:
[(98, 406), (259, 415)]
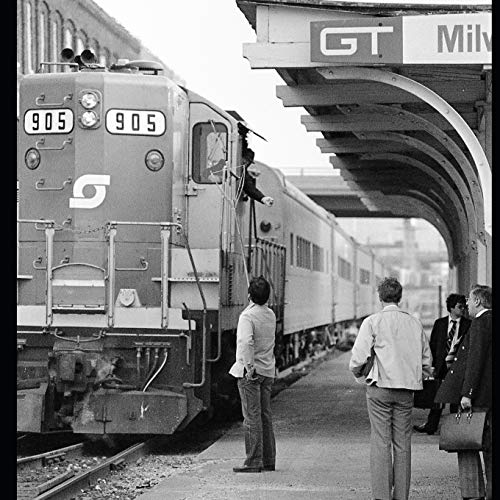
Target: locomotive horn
[(88, 57), (67, 55)]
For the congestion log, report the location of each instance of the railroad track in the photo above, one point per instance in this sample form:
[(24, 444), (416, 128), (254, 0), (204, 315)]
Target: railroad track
[(69, 482)]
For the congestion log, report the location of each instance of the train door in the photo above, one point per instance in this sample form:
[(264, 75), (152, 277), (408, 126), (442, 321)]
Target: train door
[(209, 152)]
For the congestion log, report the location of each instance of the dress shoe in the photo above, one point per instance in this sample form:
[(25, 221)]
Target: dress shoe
[(247, 469), (269, 468), (423, 428)]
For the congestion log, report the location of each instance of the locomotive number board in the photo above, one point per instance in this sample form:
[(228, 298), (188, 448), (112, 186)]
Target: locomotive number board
[(48, 121), (135, 122)]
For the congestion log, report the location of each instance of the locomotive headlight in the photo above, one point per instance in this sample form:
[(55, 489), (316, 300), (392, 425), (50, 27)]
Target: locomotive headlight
[(32, 158), (89, 100), (88, 119), (154, 160)]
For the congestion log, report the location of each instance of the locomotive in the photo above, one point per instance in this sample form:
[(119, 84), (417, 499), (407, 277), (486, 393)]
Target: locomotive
[(136, 244)]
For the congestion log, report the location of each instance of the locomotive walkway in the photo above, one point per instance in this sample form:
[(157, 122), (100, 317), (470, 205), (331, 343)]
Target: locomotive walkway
[(322, 439)]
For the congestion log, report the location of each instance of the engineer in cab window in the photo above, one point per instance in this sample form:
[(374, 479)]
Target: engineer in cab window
[(250, 180)]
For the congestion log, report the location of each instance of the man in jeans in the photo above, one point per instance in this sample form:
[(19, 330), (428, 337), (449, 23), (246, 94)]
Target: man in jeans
[(255, 369), (402, 358)]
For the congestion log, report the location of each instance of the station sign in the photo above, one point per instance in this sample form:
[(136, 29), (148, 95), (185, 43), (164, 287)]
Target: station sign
[(425, 39)]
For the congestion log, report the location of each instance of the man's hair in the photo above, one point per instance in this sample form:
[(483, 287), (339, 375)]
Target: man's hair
[(259, 290), (390, 290), (453, 299), (483, 293)]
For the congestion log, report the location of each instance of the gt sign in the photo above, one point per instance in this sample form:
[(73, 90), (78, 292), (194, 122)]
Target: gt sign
[(432, 39)]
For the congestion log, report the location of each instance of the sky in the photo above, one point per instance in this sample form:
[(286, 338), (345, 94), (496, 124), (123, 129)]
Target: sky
[(202, 41)]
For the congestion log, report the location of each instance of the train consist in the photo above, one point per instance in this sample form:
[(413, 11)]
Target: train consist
[(135, 246)]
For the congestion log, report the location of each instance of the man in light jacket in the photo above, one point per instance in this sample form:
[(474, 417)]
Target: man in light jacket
[(254, 370), (402, 359)]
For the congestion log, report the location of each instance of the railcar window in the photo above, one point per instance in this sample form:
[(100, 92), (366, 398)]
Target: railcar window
[(292, 261), (364, 276), (318, 263), (209, 152), (345, 269), (303, 253)]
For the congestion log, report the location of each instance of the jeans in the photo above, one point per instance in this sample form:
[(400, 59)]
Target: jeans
[(390, 451), (260, 445)]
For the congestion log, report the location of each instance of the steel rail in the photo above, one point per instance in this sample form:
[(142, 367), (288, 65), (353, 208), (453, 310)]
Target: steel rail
[(74, 485), (38, 459)]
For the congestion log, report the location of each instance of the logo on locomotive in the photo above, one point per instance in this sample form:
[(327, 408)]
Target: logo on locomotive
[(99, 182)]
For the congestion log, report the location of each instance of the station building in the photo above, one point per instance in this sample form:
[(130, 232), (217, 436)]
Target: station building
[(45, 27)]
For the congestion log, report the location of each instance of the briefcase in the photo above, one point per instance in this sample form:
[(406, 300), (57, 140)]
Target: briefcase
[(462, 431), (425, 397)]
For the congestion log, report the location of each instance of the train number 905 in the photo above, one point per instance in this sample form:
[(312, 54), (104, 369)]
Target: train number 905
[(135, 122), (48, 121)]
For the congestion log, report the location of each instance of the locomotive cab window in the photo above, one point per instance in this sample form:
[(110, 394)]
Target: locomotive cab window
[(209, 152)]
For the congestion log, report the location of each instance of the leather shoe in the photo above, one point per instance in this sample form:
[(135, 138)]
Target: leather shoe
[(269, 468), (423, 428), (247, 469)]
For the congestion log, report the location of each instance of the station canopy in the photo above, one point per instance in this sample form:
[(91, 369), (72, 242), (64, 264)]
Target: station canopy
[(401, 94)]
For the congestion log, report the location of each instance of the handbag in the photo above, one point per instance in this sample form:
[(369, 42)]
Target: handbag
[(425, 397), (462, 431)]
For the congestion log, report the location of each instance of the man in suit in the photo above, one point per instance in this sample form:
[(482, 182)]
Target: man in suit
[(446, 335), (469, 384)]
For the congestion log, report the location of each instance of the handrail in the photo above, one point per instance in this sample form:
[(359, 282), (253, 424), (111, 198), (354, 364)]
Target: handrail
[(40, 100), (41, 141), (49, 238), (204, 320), (165, 257), (41, 182), (144, 264), (111, 233), (165, 233), (49, 251)]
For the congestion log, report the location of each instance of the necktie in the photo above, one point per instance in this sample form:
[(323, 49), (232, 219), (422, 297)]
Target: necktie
[(451, 334), (451, 351)]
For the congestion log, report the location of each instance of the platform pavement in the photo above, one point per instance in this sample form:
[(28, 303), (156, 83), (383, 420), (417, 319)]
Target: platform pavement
[(322, 433)]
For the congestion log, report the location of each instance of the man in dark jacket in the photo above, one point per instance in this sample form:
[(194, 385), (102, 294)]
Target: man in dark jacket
[(249, 180), (447, 334), (469, 383)]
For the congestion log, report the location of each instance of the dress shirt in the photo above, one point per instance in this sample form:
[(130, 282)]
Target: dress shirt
[(401, 347), (482, 312), (255, 341), (455, 336)]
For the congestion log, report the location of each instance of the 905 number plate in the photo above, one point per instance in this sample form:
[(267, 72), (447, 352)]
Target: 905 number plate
[(135, 122), (48, 121)]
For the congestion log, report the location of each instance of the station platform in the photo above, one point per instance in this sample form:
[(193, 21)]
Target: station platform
[(323, 450)]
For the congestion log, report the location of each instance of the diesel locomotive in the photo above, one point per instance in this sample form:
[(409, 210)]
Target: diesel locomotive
[(136, 243)]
